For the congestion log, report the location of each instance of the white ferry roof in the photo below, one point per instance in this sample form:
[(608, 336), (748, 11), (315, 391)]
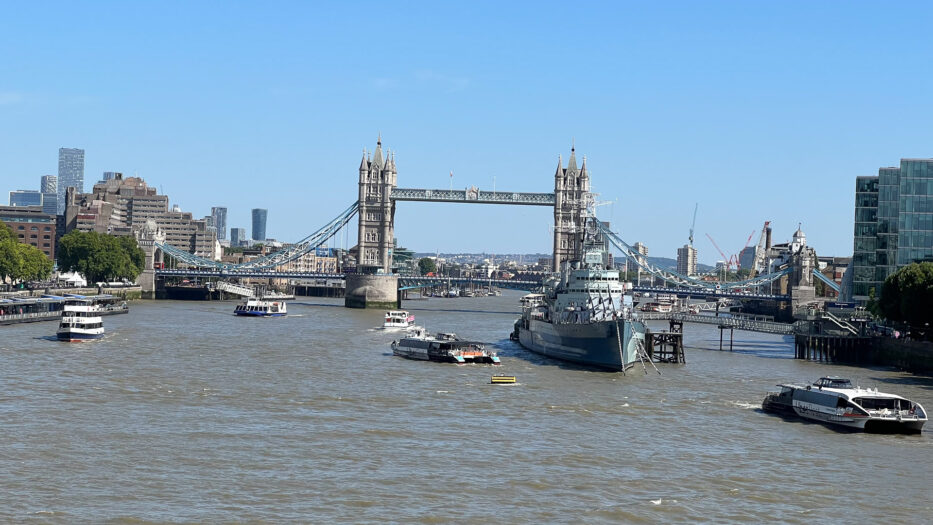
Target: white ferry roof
[(849, 391)]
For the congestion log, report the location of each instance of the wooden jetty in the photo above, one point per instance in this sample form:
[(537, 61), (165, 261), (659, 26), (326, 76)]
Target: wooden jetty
[(833, 348), (667, 347)]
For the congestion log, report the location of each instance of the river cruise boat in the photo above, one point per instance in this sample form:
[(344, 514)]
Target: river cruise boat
[(442, 347), (398, 320), (80, 321), (834, 401), (261, 308)]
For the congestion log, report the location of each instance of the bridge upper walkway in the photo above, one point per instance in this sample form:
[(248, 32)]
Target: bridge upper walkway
[(473, 196)]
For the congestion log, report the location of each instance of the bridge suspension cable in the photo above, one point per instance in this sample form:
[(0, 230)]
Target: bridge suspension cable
[(272, 260)]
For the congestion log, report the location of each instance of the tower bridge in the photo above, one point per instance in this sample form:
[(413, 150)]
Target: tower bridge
[(374, 285)]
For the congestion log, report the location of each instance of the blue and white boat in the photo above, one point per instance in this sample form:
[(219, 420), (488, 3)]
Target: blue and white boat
[(81, 321), (261, 308)]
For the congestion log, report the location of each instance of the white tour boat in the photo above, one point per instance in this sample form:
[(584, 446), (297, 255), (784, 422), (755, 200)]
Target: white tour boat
[(835, 401), (398, 320), (261, 308), (80, 321)]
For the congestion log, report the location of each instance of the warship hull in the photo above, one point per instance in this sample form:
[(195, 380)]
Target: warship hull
[(593, 344)]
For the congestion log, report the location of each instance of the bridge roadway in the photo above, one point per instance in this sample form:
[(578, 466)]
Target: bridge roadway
[(700, 293), (405, 283)]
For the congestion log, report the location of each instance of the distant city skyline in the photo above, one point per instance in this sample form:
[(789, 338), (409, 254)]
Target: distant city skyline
[(756, 112)]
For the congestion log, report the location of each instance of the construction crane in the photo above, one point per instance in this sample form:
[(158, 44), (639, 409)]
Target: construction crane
[(694, 223), (729, 261)]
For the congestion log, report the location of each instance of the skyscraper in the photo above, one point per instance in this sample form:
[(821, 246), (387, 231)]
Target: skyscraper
[(259, 224), (237, 236), (70, 173), (220, 221), (49, 189)]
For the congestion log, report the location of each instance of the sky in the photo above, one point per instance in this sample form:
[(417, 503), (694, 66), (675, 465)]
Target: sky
[(751, 111)]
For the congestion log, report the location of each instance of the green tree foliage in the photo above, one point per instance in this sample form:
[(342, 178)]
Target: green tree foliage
[(906, 295), (427, 265), (19, 261), (101, 257)]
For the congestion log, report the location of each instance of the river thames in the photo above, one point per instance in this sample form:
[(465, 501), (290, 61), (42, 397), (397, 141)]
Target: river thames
[(185, 413)]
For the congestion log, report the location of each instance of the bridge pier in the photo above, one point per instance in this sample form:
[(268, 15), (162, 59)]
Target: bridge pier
[(372, 291)]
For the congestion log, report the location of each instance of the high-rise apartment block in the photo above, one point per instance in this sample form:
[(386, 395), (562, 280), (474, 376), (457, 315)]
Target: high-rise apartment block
[(259, 224), (70, 173), (237, 236), (687, 260), (220, 221), (893, 223)]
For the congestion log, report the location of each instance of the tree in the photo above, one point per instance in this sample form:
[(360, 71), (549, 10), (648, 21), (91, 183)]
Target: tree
[(427, 265), (100, 257), (907, 294), (20, 261)]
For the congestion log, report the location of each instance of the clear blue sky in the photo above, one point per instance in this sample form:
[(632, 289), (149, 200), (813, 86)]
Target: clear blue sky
[(758, 111)]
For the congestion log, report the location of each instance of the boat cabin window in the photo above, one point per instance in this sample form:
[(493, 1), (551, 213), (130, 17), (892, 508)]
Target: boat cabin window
[(878, 403)]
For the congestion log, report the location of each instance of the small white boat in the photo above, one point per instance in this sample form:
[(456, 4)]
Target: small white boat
[(81, 321), (398, 320), (261, 308), (833, 400)]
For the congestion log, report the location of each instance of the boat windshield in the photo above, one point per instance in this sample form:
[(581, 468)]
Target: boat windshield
[(833, 382)]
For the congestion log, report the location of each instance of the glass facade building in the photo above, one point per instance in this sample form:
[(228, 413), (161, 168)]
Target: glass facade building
[(25, 198), (893, 223), (220, 221), (259, 224), (70, 173), (237, 236)]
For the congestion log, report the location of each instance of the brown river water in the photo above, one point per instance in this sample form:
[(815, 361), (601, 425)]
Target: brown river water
[(185, 413)]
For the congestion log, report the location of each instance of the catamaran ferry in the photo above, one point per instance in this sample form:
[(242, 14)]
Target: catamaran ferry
[(80, 321), (833, 400)]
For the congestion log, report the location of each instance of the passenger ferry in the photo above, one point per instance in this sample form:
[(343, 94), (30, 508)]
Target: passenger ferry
[(833, 400), (443, 347), (80, 321), (261, 308), (398, 320)]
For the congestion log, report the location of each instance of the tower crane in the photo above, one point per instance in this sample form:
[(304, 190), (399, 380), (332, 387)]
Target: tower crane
[(758, 263), (694, 223), (729, 261)]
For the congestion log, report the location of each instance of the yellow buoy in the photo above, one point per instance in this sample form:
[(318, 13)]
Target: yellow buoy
[(502, 380)]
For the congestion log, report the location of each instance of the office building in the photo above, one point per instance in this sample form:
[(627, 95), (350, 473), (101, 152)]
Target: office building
[(893, 223), (110, 175), (31, 226), (687, 260), (237, 236), (259, 224), (220, 221), (49, 189), (25, 198), (123, 206), (70, 173)]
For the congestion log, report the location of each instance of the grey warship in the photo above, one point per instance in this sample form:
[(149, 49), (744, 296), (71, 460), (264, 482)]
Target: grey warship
[(580, 316)]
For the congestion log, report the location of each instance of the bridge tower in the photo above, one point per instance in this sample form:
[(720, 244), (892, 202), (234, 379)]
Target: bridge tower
[(378, 177), (571, 190)]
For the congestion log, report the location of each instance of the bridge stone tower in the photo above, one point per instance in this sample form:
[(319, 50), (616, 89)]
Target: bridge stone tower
[(571, 190), (378, 178)]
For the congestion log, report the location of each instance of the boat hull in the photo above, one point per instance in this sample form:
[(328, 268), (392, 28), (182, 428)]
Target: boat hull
[(260, 314), (74, 337), (590, 344)]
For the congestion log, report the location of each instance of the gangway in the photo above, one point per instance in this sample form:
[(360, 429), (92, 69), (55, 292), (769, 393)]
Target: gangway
[(236, 289)]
